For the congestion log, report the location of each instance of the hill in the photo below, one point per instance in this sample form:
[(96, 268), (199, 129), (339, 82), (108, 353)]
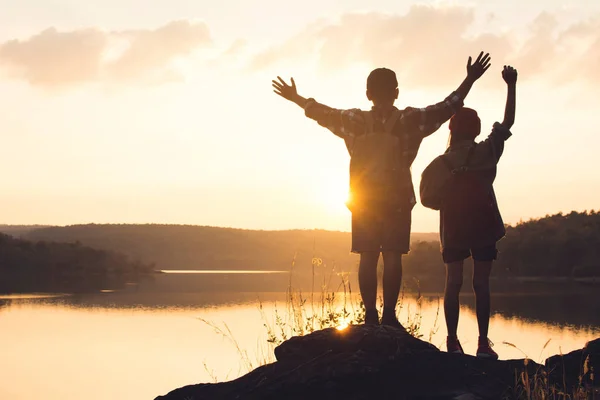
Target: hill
[(203, 247), (19, 230), (560, 245), (554, 247), (27, 266)]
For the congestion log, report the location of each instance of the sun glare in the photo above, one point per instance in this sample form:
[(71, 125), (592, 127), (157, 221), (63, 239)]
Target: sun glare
[(342, 326), (334, 195)]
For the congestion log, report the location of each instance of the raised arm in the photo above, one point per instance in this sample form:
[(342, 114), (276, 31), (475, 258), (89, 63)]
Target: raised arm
[(474, 72), (343, 123), (288, 92), (501, 132), (509, 74), (428, 120)]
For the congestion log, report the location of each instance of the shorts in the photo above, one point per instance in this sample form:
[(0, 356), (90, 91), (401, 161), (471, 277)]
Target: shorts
[(486, 253), (382, 229)]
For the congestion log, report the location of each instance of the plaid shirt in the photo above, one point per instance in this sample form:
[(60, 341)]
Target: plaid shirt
[(412, 126)]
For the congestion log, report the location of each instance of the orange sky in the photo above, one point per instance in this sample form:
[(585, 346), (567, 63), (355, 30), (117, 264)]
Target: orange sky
[(166, 115)]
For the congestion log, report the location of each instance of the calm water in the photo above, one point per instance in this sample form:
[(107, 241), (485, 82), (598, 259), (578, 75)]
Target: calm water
[(139, 345)]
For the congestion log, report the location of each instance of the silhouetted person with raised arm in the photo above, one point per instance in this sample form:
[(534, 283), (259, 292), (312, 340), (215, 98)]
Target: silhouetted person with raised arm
[(383, 144), (470, 222)]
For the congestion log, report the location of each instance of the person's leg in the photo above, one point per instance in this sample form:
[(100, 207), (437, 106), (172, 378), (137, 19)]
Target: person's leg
[(392, 281), (483, 259), (481, 287), (454, 279), (395, 243), (367, 282), (365, 242), (454, 261)]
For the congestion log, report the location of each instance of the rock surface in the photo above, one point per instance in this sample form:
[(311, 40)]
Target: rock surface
[(364, 362), (566, 370)]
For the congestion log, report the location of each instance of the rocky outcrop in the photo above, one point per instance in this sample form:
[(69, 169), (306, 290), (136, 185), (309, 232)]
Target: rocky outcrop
[(364, 362), (575, 368)]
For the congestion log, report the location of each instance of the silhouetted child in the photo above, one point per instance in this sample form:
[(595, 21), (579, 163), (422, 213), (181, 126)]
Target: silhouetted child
[(383, 144), (470, 222)]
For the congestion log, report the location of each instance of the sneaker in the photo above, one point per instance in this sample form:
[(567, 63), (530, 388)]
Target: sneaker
[(453, 346), (371, 318), (484, 349), (391, 320)]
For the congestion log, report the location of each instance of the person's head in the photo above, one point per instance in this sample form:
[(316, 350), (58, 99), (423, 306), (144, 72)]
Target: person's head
[(382, 86), (464, 125)]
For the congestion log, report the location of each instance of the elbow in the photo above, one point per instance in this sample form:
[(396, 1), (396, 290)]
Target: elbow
[(508, 123)]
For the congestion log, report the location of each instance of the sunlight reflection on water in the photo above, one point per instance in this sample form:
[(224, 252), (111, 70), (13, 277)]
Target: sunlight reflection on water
[(218, 272), (141, 345), (31, 296)]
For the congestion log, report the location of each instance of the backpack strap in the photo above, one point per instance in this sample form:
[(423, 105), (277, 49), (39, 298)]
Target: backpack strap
[(468, 158), (465, 166), (388, 127), (368, 126), (391, 121), (368, 122)]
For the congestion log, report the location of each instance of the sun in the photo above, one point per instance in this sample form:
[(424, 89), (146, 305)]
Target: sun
[(334, 195)]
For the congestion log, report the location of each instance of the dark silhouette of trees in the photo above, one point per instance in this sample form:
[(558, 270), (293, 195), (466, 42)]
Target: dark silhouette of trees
[(203, 247), (561, 245), (554, 246), (27, 266)]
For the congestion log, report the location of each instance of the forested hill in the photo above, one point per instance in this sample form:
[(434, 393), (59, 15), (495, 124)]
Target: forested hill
[(201, 247), (27, 266), (557, 245), (19, 230), (560, 245)]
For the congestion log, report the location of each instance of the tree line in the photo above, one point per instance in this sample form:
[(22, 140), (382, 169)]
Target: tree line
[(560, 245), (40, 266)]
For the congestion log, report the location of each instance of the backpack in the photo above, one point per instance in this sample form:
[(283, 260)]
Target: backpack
[(468, 208), (437, 177), (375, 163)]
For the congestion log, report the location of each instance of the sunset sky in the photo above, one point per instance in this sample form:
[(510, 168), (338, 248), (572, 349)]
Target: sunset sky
[(132, 111)]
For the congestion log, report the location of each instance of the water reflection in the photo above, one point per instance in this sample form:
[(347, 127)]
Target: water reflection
[(219, 272), (577, 310), (144, 344), (29, 296)]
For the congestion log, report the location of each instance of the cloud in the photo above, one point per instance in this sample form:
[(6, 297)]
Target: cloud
[(579, 51), (153, 49), (231, 58), (236, 48), (53, 58), (426, 45), (560, 56)]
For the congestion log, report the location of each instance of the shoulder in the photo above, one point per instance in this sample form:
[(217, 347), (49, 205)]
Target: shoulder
[(409, 110), (354, 112), (440, 161), (457, 154), (406, 115)]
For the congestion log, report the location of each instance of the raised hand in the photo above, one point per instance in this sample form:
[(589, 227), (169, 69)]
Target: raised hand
[(509, 74), (284, 90), (477, 69)]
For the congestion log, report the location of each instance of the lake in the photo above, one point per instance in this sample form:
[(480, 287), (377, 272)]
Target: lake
[(140, 344)]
